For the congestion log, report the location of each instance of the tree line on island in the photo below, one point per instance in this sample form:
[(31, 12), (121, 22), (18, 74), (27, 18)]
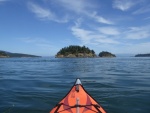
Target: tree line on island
[(80, 52)]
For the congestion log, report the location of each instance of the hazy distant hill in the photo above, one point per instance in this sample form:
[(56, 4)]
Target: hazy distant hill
[(9, 54), (142, 55), (3, 54)]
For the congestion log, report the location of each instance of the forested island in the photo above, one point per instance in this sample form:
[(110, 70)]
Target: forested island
[(142, 55), (81, 52), (4, 54), (75, 51), (106, 54)]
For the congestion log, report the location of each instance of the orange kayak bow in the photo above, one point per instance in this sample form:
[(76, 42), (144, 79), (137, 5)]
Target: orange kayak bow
[(78, 100)]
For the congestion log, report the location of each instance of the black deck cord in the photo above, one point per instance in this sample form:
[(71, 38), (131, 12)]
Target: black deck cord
[(58, 106), (95, 105)]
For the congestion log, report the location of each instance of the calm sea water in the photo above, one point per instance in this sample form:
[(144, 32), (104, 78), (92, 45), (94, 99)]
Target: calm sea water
[(35, 85)]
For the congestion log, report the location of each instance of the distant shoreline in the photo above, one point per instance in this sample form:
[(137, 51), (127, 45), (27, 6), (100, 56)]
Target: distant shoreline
[(143, 55), (4, 54)]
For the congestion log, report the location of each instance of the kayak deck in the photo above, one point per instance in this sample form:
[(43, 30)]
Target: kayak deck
[(78, 101)]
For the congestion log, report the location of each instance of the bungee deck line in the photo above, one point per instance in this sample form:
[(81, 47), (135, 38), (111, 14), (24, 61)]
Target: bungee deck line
[(78, 100)]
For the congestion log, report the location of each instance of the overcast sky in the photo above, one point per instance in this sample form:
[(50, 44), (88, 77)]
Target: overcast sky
[(43, 27)]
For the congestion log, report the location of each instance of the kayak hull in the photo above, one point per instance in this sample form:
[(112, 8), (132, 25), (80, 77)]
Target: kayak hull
[(78, 101)]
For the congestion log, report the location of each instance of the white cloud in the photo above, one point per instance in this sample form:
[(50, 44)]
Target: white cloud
[(144, 9), (83, 7), (99, 18), (102, 20), (79, 6), (41, 12), (109, 30), (111, 35), (46, 14), (70, 10), (137, 33), (105, 40), (83, 35), (92, 36), (123, 4)]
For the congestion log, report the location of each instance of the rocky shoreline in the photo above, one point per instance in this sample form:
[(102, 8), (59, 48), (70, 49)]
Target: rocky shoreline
[(79, 55)]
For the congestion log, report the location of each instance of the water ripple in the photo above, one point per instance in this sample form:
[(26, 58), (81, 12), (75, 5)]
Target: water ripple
[(35, 85)]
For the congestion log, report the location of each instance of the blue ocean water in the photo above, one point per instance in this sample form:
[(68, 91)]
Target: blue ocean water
[(35, 85)]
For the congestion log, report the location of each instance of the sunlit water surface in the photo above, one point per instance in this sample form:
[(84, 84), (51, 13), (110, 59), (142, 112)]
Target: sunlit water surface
[(35, 85)]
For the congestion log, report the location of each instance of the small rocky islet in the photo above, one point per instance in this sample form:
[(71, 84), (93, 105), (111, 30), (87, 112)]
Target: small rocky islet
[(106, 54), (81, 52)]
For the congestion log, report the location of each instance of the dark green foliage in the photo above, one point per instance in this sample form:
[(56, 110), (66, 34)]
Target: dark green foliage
[(106, 54), (2, 53), (142, 55), (75, 50)]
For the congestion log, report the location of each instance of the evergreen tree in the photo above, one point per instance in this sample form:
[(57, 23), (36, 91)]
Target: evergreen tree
[(74, 49)]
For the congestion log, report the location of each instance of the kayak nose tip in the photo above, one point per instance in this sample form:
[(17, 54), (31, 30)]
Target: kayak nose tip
[(78, 82)]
